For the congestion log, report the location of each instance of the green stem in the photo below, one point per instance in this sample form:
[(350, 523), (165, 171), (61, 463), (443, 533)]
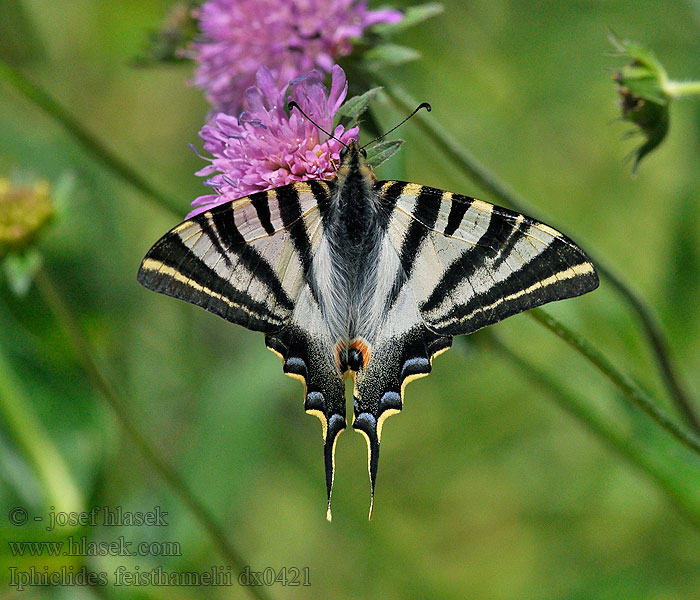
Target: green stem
[(660, 469), (92, 144), (659, 345), (679, 89), (86, 356), (621, 381), (35, 442), (476, 171)]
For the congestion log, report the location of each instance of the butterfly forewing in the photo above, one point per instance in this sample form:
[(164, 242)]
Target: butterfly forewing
[(244, 261), (471, 264)]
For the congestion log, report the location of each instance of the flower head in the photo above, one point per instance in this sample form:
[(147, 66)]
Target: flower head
[(290, 38), (24, 212), (264, 147)]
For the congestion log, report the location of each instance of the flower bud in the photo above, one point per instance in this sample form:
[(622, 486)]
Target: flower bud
[(25, 209), (644, 100)]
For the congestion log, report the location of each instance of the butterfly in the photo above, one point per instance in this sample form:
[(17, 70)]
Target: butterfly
[(363, 278)]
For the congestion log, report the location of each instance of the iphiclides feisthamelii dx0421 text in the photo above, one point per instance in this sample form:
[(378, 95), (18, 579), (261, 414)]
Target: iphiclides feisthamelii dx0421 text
[(366, 278)]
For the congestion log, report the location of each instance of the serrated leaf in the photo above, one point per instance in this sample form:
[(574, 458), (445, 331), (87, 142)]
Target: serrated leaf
[(382, 151), (386, 55), (414, 15), (353, 108)]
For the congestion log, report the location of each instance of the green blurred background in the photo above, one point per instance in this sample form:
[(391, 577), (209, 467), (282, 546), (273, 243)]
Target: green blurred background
[(487, 487)]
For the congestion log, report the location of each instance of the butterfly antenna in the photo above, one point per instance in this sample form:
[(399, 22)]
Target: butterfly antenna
[(292, 105), (424, 105)]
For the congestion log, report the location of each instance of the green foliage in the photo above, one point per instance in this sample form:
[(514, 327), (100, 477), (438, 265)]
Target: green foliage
[(646, 94), (487, 488), (643, 98), (380, 152), (355, 107), (413, 15), (389, 55)]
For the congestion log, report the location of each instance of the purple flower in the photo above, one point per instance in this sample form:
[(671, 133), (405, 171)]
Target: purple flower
[(290, 37), (265, 148)]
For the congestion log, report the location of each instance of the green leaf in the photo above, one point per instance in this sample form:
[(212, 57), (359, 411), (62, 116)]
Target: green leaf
[(414, 15), (380, 152), (386, 55), (353, 108)]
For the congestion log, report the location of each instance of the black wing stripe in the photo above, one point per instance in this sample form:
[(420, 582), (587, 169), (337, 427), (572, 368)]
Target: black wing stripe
[(508, 245), (388, 194), (470, 261), (551, 275), (425, 215), (458, 208), (425, 212), (173, 269), (232, 242), (206, 225), (290, 212), (261, 204), (215, 285)]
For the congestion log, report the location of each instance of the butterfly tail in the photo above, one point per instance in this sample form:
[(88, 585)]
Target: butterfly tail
[(305, 359), (366, 424), (336, 424), (379, 386)]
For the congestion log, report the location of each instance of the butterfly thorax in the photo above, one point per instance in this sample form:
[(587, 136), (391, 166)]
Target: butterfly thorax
[(355, 197)]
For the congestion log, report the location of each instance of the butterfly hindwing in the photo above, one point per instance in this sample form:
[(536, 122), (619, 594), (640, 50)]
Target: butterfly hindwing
[(396, 357), (308, 356)]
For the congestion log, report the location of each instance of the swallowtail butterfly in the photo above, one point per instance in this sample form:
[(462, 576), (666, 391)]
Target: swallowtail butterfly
[(366, 278)]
